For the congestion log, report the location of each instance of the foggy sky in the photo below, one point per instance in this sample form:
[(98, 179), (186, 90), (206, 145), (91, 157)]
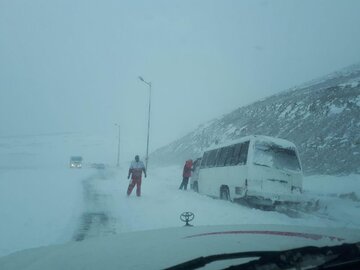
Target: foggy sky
[(73, 65)]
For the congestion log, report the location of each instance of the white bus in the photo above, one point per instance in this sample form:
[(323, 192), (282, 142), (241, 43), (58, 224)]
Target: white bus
[(259, 169)]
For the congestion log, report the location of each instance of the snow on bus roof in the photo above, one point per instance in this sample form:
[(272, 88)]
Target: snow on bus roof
[(281, 142)]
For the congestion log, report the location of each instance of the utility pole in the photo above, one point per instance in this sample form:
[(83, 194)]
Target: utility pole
[(148, 128)]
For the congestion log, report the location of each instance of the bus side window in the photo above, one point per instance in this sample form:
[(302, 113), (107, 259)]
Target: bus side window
[(230, 155), (204, 159), (236, 154), (243, 153), (221, 157), (211, 160)]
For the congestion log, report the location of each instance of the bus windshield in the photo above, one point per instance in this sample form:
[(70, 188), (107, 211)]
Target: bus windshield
[(275, 156)]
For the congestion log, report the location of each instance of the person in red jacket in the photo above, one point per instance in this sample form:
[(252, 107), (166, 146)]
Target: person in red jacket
[(135, 171), (186, 174)]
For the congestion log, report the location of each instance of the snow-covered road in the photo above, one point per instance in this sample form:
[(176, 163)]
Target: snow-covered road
[(95, 219), (162, 203), (38, 210)]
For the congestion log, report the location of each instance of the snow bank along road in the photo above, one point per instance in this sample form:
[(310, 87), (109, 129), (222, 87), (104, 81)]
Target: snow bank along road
[(42, 207)]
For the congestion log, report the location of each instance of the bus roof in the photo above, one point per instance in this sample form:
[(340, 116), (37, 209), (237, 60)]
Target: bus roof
[(281, 142)]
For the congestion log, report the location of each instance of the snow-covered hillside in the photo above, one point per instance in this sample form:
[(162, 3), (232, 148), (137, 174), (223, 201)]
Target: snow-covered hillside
[(321, 117)]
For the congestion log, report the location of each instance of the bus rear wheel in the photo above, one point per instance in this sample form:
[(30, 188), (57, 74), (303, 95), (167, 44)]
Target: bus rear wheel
[(224, 193)]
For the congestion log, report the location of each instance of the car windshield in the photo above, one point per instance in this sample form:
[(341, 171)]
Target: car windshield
[(274, 156), (140, 134)]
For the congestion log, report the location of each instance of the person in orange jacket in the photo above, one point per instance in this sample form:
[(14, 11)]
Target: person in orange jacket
[(186, 174)]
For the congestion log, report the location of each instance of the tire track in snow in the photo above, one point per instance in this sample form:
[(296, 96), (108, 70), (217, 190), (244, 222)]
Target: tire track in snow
[(96, 220)]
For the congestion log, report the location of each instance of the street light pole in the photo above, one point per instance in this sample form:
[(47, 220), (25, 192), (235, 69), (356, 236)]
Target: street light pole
[(148, 129), (118, 152)]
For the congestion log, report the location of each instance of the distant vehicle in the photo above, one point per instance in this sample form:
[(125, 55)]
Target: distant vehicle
[(99, 166), (76, 162), (262, 170)]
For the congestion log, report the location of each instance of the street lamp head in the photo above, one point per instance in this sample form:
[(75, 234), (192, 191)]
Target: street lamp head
[(141, 79)]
